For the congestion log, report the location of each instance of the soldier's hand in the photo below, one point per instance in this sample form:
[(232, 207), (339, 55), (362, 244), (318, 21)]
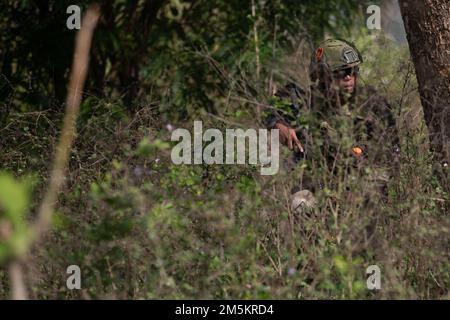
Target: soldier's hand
[(289, 137)]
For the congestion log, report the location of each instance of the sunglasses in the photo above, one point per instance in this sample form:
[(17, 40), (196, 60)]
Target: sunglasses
[(341, 74)]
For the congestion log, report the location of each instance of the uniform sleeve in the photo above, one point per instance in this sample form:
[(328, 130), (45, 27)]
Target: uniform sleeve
[(387, 114), (389, 136)]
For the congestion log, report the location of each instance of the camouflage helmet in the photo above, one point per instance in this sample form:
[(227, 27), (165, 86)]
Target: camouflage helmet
[(337, 54)]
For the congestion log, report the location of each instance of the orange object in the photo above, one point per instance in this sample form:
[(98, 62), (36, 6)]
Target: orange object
[(319, 54), (357, 151)]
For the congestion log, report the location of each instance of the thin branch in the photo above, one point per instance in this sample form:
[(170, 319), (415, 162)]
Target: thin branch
[(61, 160), (18, 288), (255, 35), (76, 85)]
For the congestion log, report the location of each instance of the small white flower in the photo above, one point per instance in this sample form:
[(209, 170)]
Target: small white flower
[(170, 127), (291, 271)]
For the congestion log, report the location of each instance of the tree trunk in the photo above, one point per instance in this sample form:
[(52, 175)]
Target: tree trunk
[(427, 24)]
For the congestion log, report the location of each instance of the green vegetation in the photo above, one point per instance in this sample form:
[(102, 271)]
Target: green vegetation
[(141, 227)]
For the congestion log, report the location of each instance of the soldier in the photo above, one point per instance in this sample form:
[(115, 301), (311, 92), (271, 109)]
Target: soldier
[(336, 123)]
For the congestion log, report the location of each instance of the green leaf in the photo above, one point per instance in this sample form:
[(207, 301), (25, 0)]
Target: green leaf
[(14, 201), (13, 197)]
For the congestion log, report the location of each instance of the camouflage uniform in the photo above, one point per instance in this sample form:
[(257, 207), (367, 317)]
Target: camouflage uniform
[(335, 128)]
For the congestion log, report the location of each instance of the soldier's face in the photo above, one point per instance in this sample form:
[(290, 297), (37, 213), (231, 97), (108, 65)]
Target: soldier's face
[(345, 79), (348, 84)]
